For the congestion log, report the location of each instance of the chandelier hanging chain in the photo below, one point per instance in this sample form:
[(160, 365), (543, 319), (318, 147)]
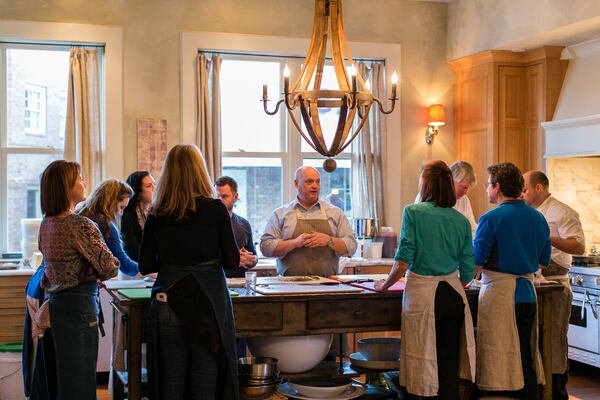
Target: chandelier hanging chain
[(328, 27)]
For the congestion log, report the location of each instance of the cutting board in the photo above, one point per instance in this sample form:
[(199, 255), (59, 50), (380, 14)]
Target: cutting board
[(305, 289), (127, 284), (396, 287)]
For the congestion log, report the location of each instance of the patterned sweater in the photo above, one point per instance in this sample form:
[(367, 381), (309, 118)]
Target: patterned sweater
[(74, 252)]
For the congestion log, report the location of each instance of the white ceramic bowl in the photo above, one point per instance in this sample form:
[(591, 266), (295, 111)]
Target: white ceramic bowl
[(294, 353), (321, 388)]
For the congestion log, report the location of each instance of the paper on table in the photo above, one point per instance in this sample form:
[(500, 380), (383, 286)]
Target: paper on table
[(304, 289)]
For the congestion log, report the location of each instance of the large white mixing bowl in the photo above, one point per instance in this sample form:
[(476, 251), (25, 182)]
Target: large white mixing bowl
[(294, 353)]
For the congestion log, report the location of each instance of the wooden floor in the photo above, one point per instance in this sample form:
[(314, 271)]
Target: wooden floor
[(584, 383)]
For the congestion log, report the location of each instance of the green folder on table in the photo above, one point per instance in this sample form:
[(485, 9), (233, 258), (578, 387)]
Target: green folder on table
[(146, 293)]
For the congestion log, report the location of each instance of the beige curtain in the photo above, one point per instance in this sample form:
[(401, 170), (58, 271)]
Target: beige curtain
[(83, 139), (208, 115), (367, 153)]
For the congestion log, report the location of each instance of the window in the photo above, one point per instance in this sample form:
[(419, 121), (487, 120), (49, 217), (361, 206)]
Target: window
[(261, 152), (33, 78), (35, 109)]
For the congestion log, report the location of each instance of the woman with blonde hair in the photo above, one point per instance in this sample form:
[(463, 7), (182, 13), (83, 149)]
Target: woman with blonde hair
[(188, 239), (435, 247), (104, 206), (75, 258)]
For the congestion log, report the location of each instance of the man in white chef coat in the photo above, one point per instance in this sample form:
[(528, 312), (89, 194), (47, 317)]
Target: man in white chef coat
[(567, 238), (464, 179)]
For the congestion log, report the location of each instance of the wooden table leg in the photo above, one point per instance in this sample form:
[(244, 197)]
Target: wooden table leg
[(134, 353), (547, 343)]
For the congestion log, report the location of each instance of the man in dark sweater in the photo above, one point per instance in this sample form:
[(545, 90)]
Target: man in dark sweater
[(227, 189)]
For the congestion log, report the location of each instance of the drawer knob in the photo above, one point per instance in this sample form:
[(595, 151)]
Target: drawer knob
[(358, 313)]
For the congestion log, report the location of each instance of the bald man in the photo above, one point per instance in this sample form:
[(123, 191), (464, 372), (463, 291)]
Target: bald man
[(567, 238), (308, 235)]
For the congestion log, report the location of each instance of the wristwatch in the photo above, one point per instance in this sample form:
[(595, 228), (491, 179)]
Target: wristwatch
[(330, 243)]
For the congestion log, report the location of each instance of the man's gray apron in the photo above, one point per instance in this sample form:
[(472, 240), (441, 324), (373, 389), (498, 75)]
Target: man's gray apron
[(561, 313), (321, 261)]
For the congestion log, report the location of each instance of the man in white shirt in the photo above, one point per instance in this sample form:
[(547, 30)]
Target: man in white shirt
[(464, 179), (567, 238)]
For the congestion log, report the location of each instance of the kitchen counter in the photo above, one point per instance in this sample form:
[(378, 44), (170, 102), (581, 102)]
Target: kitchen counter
[(307, 314)]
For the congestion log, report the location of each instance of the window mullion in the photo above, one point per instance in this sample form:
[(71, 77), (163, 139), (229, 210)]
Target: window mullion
[(3, 158)]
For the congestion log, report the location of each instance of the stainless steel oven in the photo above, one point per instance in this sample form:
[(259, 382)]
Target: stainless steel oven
[(584, 325)]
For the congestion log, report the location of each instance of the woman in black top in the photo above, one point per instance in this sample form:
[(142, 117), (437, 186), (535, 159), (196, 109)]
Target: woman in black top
[(136, 212), (188, 240)]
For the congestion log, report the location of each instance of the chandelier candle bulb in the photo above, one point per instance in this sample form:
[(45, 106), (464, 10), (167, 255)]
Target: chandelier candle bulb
[(265, 96), (286, 79), (394, 82), (368, 85)]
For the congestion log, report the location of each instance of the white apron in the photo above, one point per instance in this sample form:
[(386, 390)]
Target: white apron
[(561, 313), (498, 352), (418, 354)]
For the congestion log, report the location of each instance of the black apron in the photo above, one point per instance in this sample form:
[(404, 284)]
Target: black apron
[(190, 290)]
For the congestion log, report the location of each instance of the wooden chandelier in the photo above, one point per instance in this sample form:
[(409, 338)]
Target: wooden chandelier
[(348, 99)]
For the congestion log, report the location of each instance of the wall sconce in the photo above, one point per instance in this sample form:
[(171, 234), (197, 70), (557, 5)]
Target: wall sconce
[(436, 117)]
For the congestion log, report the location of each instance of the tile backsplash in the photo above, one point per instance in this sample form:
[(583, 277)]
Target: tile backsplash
[(576, 182)]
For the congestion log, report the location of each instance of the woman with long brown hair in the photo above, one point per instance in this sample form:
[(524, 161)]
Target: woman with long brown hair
[(104, 206), (436, 249), (188, 240), (75, 258)]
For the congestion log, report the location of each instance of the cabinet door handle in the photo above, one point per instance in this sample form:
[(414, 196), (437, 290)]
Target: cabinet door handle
[(17, 325), (358, 313)]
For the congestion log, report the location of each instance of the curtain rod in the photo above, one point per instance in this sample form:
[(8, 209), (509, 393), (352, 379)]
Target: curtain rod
[(57, 44), (241, 53)]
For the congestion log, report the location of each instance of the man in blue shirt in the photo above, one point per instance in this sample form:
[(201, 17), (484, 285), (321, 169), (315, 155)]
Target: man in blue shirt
[(227, 190), (511, 242)]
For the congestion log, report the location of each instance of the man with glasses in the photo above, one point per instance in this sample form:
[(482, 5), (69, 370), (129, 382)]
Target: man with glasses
[(511, 242)]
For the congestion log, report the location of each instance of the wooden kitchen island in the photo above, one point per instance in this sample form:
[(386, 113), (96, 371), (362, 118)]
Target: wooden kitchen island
[(285, 315)]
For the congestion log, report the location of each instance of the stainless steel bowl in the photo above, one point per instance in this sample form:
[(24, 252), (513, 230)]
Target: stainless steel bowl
[(257, 367), (257, 392), (380, 349), (364, 228)]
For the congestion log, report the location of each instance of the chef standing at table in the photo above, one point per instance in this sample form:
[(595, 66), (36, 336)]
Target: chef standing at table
[(308, 235), (566, 235)]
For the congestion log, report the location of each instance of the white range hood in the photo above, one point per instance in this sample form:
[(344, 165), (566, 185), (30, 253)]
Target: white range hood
[(575, 130)]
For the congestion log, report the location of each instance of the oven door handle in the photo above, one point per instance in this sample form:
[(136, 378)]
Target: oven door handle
[(588, 299)]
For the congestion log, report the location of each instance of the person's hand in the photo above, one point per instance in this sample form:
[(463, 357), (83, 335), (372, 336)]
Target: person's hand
[(380, 285), (152, 275), (316, 239), (300, 241), (246, 258)]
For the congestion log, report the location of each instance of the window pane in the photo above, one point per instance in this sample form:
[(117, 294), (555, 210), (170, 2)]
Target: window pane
[(23, 198), (259, 189), (36, 81), (245, 126), (335, 186), (327, 116)]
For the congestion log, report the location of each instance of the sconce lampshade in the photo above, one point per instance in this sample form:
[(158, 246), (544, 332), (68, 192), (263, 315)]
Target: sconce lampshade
[(436, 115)]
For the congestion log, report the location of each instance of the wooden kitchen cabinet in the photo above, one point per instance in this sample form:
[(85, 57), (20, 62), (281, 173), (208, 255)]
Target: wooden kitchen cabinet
[(501, 97)]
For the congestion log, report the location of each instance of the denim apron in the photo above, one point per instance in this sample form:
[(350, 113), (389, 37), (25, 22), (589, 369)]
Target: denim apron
[(185, 288), (74, 322)]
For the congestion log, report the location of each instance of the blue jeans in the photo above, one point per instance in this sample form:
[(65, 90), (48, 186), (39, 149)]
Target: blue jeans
[(187, 369), (74, 322)]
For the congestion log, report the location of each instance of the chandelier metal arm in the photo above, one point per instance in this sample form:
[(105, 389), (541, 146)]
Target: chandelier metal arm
[(276, 106), (381, 109)]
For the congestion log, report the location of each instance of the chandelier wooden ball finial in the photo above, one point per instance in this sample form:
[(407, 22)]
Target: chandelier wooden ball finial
[(329, 165)]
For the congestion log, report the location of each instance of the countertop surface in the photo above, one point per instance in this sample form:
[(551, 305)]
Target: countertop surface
[(270, 263)]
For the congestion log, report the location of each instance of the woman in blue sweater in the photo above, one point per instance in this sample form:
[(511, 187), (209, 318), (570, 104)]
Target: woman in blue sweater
[(104, 206)]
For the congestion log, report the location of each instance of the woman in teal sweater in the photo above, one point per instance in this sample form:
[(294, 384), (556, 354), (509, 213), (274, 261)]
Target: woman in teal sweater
[(436, 249)]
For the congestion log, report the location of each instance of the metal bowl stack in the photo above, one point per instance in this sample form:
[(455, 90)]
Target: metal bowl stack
[(258, 377)]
